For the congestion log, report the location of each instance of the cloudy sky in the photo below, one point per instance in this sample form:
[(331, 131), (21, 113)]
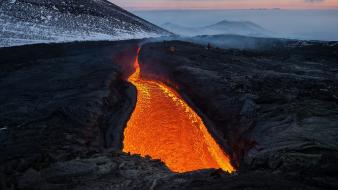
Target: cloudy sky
[(227, 4)]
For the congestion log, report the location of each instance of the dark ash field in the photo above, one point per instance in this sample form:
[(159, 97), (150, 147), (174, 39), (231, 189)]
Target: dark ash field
[(273, 109)]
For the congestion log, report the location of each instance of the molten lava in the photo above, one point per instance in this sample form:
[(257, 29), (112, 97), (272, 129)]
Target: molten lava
[(164, 127)]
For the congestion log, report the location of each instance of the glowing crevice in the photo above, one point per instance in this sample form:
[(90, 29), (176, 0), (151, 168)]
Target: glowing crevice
[(164, 127)]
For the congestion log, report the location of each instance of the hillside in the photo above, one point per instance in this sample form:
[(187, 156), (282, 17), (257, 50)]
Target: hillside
[(41, 21)]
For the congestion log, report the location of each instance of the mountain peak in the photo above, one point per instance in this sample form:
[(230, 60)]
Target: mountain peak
[(223, 27)]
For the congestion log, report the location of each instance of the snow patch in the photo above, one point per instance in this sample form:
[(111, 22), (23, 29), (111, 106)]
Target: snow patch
[(24, 23)]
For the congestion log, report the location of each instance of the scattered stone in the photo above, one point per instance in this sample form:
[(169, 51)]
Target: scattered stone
[(3, 134)]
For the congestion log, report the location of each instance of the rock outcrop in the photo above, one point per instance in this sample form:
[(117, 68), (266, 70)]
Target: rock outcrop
[(108, 170), (62, 101)]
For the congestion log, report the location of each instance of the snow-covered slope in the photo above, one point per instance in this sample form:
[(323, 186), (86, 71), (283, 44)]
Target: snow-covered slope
[(224, 27), (37, 21)]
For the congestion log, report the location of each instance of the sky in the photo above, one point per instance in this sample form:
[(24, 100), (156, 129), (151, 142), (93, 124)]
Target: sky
[(225, 4)]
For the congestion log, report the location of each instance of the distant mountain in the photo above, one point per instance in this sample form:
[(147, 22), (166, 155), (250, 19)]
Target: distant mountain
[(224, 27), (34, 21)]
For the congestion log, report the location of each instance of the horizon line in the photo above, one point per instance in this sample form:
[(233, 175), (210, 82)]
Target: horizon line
[(227, 9)]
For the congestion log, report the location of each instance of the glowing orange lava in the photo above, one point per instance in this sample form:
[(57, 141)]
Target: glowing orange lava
[(164, 127)]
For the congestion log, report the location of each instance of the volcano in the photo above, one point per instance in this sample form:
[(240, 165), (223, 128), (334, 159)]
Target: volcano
[(45, 21)]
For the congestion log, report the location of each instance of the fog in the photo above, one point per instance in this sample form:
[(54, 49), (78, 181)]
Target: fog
[(294, 24)]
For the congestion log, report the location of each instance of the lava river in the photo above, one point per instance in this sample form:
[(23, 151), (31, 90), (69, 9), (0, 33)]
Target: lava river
[(164, 127)]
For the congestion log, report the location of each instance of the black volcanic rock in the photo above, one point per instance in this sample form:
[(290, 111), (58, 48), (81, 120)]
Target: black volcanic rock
[(38, 21), (107, 170), (61, 102), (256, 43), (272, 109), (64, 107)]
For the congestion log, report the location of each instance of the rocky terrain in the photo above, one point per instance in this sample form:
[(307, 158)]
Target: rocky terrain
[(276, 108), (61, 101), (64, 108), (254, 43), (44, 21)]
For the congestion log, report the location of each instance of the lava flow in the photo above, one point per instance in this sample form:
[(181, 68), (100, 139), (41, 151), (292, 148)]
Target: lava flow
[(164, 127)]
